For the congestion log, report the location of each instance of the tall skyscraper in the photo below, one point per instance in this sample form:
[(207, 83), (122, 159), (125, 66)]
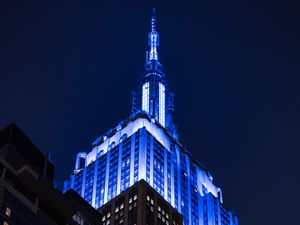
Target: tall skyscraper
[(146, 146)]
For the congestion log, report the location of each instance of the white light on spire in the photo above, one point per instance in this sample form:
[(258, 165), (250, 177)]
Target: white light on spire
[(145, 100), (162, 111)]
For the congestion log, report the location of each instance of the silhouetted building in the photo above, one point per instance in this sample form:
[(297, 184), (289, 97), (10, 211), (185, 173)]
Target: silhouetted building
[(27, 196), (146, 146), (140, 204)]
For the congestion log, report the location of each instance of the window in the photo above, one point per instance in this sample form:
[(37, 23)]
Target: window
[(124, 136), (111, 146), (78, 219), (8, 212), (145, 104), (162, 104)]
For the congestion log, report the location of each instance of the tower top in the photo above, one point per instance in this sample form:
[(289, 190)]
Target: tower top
[(153, 20), (153, 38)]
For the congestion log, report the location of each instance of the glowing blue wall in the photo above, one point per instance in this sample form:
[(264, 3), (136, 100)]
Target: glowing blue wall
[(170, 171)]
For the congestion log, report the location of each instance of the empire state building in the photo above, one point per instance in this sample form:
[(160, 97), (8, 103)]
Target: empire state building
[(146, 147)]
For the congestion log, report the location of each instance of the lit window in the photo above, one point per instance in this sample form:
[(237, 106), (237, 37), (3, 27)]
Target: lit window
[(124, 136), (145, 103), (8, 212), (135, 197), (162, 104)]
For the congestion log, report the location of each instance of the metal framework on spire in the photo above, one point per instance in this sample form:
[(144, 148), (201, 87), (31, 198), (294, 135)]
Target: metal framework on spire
[(153, 38)]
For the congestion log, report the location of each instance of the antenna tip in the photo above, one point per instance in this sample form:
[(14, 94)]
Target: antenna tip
[(153, 19)]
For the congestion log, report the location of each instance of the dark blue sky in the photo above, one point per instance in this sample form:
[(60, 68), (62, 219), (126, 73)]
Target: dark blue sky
[(67, 69)]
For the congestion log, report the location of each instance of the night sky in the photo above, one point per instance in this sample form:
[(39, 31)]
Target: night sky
[(67, 69)]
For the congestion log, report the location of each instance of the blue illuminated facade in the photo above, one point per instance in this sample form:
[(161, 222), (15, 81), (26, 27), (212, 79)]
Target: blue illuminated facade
[(146, 146)]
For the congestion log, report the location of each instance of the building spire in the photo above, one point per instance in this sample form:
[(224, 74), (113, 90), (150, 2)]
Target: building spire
[(153, 20), (153, 38)]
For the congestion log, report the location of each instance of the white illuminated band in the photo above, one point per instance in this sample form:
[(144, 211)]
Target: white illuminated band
[(145, 100), (162, 103)]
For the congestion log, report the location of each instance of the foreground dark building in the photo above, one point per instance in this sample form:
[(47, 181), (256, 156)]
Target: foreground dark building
[(142, 205), (27, 195)]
